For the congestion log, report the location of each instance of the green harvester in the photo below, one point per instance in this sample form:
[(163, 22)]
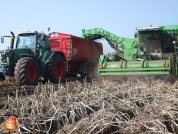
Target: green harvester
[(151, 54)]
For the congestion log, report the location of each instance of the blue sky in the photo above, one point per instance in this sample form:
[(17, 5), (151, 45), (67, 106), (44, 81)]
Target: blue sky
[(120, 17)]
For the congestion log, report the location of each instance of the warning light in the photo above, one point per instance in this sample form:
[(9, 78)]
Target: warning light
[(167, 64), (101, 66), (48, 29)]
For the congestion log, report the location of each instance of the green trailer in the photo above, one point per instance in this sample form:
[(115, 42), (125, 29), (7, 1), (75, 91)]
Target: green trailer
[(151, 54)]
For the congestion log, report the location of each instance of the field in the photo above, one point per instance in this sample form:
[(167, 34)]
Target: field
[(95, 108)]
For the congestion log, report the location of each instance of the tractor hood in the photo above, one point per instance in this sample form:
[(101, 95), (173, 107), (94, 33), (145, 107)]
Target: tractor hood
[(10, 56)]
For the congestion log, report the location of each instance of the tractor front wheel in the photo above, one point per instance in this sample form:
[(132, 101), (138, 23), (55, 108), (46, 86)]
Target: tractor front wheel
[(27, 71), (55, 71)]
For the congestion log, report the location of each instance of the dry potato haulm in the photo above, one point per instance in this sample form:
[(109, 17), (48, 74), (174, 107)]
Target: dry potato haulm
[(105, 107)]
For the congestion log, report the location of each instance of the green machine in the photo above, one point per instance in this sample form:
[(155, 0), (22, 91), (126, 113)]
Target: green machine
[(151, 54), (30, 58)]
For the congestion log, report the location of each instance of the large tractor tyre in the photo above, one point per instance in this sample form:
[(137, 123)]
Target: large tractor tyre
[(89, 73), (27, 71), (55, 71)]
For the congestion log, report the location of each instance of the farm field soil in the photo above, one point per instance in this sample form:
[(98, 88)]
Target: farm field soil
[(90, 108)]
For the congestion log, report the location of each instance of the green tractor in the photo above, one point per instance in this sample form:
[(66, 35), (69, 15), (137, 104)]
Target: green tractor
[(29, 58), (152, 54)]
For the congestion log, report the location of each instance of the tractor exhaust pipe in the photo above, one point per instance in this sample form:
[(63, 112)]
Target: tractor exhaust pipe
[(12, 40)]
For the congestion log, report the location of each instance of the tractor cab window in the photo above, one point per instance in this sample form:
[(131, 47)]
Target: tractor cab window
[(26, 41), (42, 43), (150, 41)]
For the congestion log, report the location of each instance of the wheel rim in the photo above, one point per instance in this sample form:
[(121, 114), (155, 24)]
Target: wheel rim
[(31, 72), (59, 70)]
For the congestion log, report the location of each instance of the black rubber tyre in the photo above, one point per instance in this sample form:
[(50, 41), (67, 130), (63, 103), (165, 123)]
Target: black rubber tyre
[(55, 71), (96, 75), (27, 71), (2, 76), (89, 73)]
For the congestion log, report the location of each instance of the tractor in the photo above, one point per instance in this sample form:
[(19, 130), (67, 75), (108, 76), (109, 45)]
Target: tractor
[(30, 58)]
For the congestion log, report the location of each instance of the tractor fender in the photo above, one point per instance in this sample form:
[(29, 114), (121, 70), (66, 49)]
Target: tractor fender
[(26, 55), (83, 67), (50, 58)]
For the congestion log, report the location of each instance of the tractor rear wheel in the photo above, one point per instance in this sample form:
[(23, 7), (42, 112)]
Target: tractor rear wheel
[(55, 71), (89, 73), (27, 71)]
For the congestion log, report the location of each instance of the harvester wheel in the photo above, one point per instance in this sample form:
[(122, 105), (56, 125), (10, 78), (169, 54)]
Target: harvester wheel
[(172, 57), (27, 71), (55, 71)]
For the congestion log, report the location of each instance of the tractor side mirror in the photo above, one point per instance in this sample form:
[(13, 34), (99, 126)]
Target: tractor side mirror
[(2, 39), (42, 36)]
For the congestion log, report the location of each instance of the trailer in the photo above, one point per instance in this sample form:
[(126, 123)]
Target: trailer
[(81, 55)]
